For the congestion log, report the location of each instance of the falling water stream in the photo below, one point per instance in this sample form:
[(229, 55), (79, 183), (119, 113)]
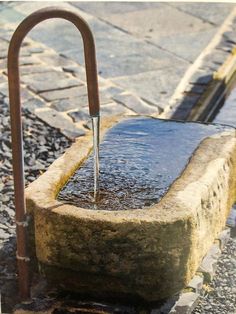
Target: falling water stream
[(96, 128)]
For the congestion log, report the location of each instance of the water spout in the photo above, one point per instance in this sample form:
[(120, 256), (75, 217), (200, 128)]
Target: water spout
[(16, 124), (95, 126)]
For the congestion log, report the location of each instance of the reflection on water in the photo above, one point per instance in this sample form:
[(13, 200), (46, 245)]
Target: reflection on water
[(139, 160)]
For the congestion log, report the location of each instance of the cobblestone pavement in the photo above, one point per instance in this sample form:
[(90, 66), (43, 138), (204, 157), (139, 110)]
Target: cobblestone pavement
[(143, 50)]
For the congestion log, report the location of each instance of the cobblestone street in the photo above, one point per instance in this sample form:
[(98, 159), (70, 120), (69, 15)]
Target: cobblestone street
[(153, 59)]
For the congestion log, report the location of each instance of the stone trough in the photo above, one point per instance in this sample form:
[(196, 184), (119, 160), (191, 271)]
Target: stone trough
[(150, 252)]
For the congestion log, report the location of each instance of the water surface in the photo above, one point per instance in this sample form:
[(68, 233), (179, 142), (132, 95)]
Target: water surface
[(139, 159)]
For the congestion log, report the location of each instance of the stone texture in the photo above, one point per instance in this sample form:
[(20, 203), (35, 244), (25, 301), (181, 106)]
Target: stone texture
[(209, 262), (29, 60), (69, 104), (223, 237), (145, 24), (102, 9), (120, 52), (49, 32), (3, 79), (36, 49), (201, 77), (79, 115), (73, 132), (112, 90), (214, 61), (113, 109), (10, 15), (185, 305), (76, 70), (141, 252), (3, 64), (130, 64), (56, 80), (231, 220), (3, 234), (154, 87), (32, 69), (116, 50), (56, 60), (3, 49), (24, 61), (135, 104), (59, 121), (65, 93), (206, 11), (33, 104), (25, 93), (196, 283), (182, 44)]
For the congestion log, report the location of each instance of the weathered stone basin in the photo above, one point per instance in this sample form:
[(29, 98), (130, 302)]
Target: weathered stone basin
[(151, 252)]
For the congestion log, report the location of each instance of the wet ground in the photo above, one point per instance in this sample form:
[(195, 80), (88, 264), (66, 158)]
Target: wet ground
[(139, 160)]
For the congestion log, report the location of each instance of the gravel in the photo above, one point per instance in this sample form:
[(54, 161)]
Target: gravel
[(42, 145), (220, 295)]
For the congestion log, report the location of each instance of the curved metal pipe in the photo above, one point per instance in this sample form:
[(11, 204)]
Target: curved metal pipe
[(16, 123)]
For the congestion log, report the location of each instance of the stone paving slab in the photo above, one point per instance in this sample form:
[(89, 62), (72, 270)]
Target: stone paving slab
[(123, 54), (119, 53), (103, 9), (55, 93), (186, 303), (53, 80), (59, 121), (211, 12), (65, 93), (156, 22), (135, 104), (162, 87), (182, 44)]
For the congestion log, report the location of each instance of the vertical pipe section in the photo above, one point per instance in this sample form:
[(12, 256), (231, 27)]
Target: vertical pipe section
[(16, 123), (95, 125)]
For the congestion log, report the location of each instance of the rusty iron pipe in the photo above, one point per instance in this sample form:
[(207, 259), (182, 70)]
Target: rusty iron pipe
[(16, 124)]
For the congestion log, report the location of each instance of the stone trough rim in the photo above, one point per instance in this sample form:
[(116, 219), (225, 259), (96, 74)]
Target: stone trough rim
[(56, 178)]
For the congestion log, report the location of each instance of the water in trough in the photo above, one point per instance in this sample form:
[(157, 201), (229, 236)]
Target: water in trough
[(139, 159)]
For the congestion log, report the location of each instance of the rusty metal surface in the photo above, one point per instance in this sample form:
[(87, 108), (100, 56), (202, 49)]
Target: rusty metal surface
[(16, 123)]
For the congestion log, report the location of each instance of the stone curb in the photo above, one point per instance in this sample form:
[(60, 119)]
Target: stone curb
[(188, 299)]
